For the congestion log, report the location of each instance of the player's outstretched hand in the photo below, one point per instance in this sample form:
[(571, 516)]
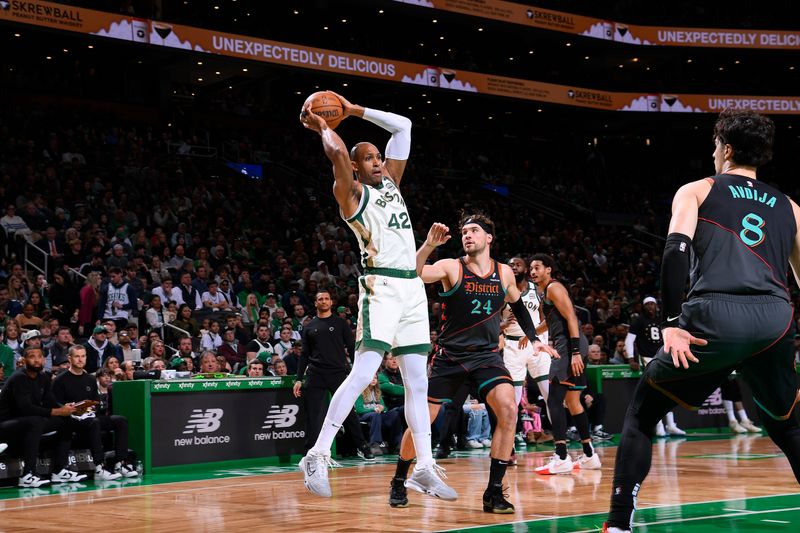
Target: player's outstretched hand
[(542, 347), (437, 235), (310, 120), (347, 107), (676, 343)]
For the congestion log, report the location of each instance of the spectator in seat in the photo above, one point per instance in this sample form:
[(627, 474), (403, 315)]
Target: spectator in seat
[(117, 299), (209, 363), (278, 367), (391, 384), (260, 343), (255, 369), (213, 299), (284, 343), (211, 339), (27, 410), (185, 321), (77, 385), (231, 349), (98, 349), (190, 295), (478, 427), (383, 425)]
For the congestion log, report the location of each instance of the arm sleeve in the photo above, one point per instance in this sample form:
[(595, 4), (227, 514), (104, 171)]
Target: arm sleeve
[(524, 319), (674, 270), (399, 146), (629, 344)]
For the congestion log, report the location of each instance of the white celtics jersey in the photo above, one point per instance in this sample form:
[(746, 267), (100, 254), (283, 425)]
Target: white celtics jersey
[(531, 302), (383, 228)]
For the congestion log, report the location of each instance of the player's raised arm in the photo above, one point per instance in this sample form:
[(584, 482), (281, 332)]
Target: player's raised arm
[(437, 235), (346, 188), (399, 146)]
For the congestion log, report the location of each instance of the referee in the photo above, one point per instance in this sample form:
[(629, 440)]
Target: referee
[(327, 341)]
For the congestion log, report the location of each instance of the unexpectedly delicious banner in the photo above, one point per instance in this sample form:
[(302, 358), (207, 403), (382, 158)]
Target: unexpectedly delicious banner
[(615, 31), (126, 28)]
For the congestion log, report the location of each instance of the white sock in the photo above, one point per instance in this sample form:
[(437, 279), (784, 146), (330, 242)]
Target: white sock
[(414, 369), (364, 368), (517, 394), (729, 410), (742, 415), (544, 390), (617, 530), (598, 427), (670, 419)]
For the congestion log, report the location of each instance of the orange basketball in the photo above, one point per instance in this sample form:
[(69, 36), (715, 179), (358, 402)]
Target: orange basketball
[(326, 105)]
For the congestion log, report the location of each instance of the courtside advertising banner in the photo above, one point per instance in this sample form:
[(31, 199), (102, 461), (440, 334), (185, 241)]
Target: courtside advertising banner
[(158, 33), (549, 19), (207, 426)]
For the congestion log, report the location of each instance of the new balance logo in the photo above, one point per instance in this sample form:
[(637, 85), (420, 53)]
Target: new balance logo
[(202, 421), (281, 417)]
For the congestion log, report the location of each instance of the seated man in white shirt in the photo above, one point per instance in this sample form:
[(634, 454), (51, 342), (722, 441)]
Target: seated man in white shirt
[(168, 293), (212, 298)]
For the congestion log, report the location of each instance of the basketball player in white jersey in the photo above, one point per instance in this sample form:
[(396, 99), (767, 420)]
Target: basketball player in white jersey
[(518, 354), (393, 307)]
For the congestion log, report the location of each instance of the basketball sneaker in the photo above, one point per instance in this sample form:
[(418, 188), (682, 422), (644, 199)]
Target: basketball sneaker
[(315, 472), (67, 476), (749, 426), (736, 427), (31, 481), (587, 463), (675, 431), (660, 432), (599, 434), (365, 452), (126, 469), (398, 497), (556, 466), (428, 480), (101, 474), (494, 501)]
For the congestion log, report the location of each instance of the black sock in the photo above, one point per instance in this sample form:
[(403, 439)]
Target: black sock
[(402, 468), (561, 450), (582, 425), (497, 472), (587, 449)]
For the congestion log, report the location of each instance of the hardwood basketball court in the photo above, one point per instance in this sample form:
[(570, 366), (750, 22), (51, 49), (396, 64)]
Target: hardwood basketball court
[(700, 484)]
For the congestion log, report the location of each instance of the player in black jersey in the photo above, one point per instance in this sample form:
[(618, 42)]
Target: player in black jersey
[(475, 289), (739, 235), (567, 378), (644, 339)]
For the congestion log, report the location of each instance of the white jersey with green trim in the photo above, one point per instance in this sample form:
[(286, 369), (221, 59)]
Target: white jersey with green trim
[(383, 228), (531, 301)]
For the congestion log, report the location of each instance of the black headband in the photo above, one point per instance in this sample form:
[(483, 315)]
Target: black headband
[(479, 223)]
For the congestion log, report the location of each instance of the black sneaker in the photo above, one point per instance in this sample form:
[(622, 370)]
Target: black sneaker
[(376, 449), (494, 501), (398, 496), (365, 452), (443, 452)]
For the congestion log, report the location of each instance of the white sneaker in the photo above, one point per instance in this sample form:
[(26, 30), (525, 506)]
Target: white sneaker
[(31, 481), (428, 480), (487, 443), (675, 431), (67, 476), (315, 472), (556, 466), (588, 463), (474, 444), (660, 429), (126, 470), (736, 427), (101, 474), (749, 426)]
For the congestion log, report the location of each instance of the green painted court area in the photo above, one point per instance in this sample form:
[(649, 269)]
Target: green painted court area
[(748, 515)]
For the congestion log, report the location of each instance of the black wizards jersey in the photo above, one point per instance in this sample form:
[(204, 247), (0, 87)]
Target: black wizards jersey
[(471, 312), (745, 234)]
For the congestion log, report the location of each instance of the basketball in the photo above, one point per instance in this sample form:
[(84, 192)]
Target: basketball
[(328, 106)]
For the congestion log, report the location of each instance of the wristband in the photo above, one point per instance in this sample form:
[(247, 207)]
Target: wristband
[(574, 345)]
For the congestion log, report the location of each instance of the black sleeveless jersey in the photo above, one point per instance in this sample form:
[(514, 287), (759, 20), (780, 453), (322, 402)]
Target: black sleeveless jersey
[(557, 326), (471, 312), (745, 234)]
